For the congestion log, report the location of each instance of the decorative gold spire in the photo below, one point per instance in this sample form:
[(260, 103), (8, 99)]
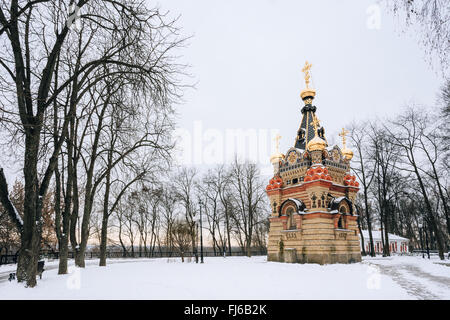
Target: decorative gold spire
[(342, 134), (277, 143), (315, 123), (306, 70), (308, 92), (277, 156), (348, 154)]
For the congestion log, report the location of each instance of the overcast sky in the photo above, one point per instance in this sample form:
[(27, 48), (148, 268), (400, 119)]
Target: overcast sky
[(247, 56)]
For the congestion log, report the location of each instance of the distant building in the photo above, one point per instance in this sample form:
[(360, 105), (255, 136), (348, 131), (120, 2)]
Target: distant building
[(397, 244)]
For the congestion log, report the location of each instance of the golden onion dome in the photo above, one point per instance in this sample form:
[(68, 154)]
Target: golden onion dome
[(348, 154), (316, 144), (276, 157), (307, 93)]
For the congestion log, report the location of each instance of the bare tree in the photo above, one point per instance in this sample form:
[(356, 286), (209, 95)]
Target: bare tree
[(364, 171), (386, 156), (433, 17), (407, 136), (209, 190), (249, 197), (181, 234), (34, 35), (168, 202), (184, 187)]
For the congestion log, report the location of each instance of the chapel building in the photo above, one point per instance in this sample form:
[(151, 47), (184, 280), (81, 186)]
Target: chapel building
[(312, 196)]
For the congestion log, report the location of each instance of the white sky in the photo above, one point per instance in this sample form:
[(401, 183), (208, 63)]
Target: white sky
[(247, 57)]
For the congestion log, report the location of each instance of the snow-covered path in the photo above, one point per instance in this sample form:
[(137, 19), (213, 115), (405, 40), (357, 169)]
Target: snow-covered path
[(422, 279), (242, 278)]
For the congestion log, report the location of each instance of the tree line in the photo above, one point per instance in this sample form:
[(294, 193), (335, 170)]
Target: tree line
[(402, 165), (164, 216)]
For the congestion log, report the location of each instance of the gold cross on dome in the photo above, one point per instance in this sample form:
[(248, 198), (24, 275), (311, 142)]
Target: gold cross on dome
[(315, 123), (306, 69), (277, 142), (343, 134)]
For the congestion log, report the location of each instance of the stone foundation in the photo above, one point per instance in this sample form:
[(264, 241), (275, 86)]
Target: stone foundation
[(318, 241), (291, 256)]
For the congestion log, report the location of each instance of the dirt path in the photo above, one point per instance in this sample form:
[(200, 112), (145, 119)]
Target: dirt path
[(413, 287)]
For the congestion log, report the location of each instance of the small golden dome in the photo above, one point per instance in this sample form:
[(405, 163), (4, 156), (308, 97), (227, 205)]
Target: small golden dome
[(348, 154), (276, 157), (307, 93), (316, 143)]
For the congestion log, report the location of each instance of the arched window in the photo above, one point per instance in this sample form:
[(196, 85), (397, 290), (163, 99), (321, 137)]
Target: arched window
[(340, 223), (291, 225), (343, 209), (314, 198)]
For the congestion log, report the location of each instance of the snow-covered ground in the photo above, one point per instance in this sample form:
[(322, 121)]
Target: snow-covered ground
[(234, 278)]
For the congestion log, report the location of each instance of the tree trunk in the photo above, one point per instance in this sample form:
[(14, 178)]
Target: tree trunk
[(30, 240), (382, 235), (228, 232), (386, 251), (75, 207), (64, 250), (103, 241), (79, 255), (122, 244), (362, 239), (369, 224), (104, 232)]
